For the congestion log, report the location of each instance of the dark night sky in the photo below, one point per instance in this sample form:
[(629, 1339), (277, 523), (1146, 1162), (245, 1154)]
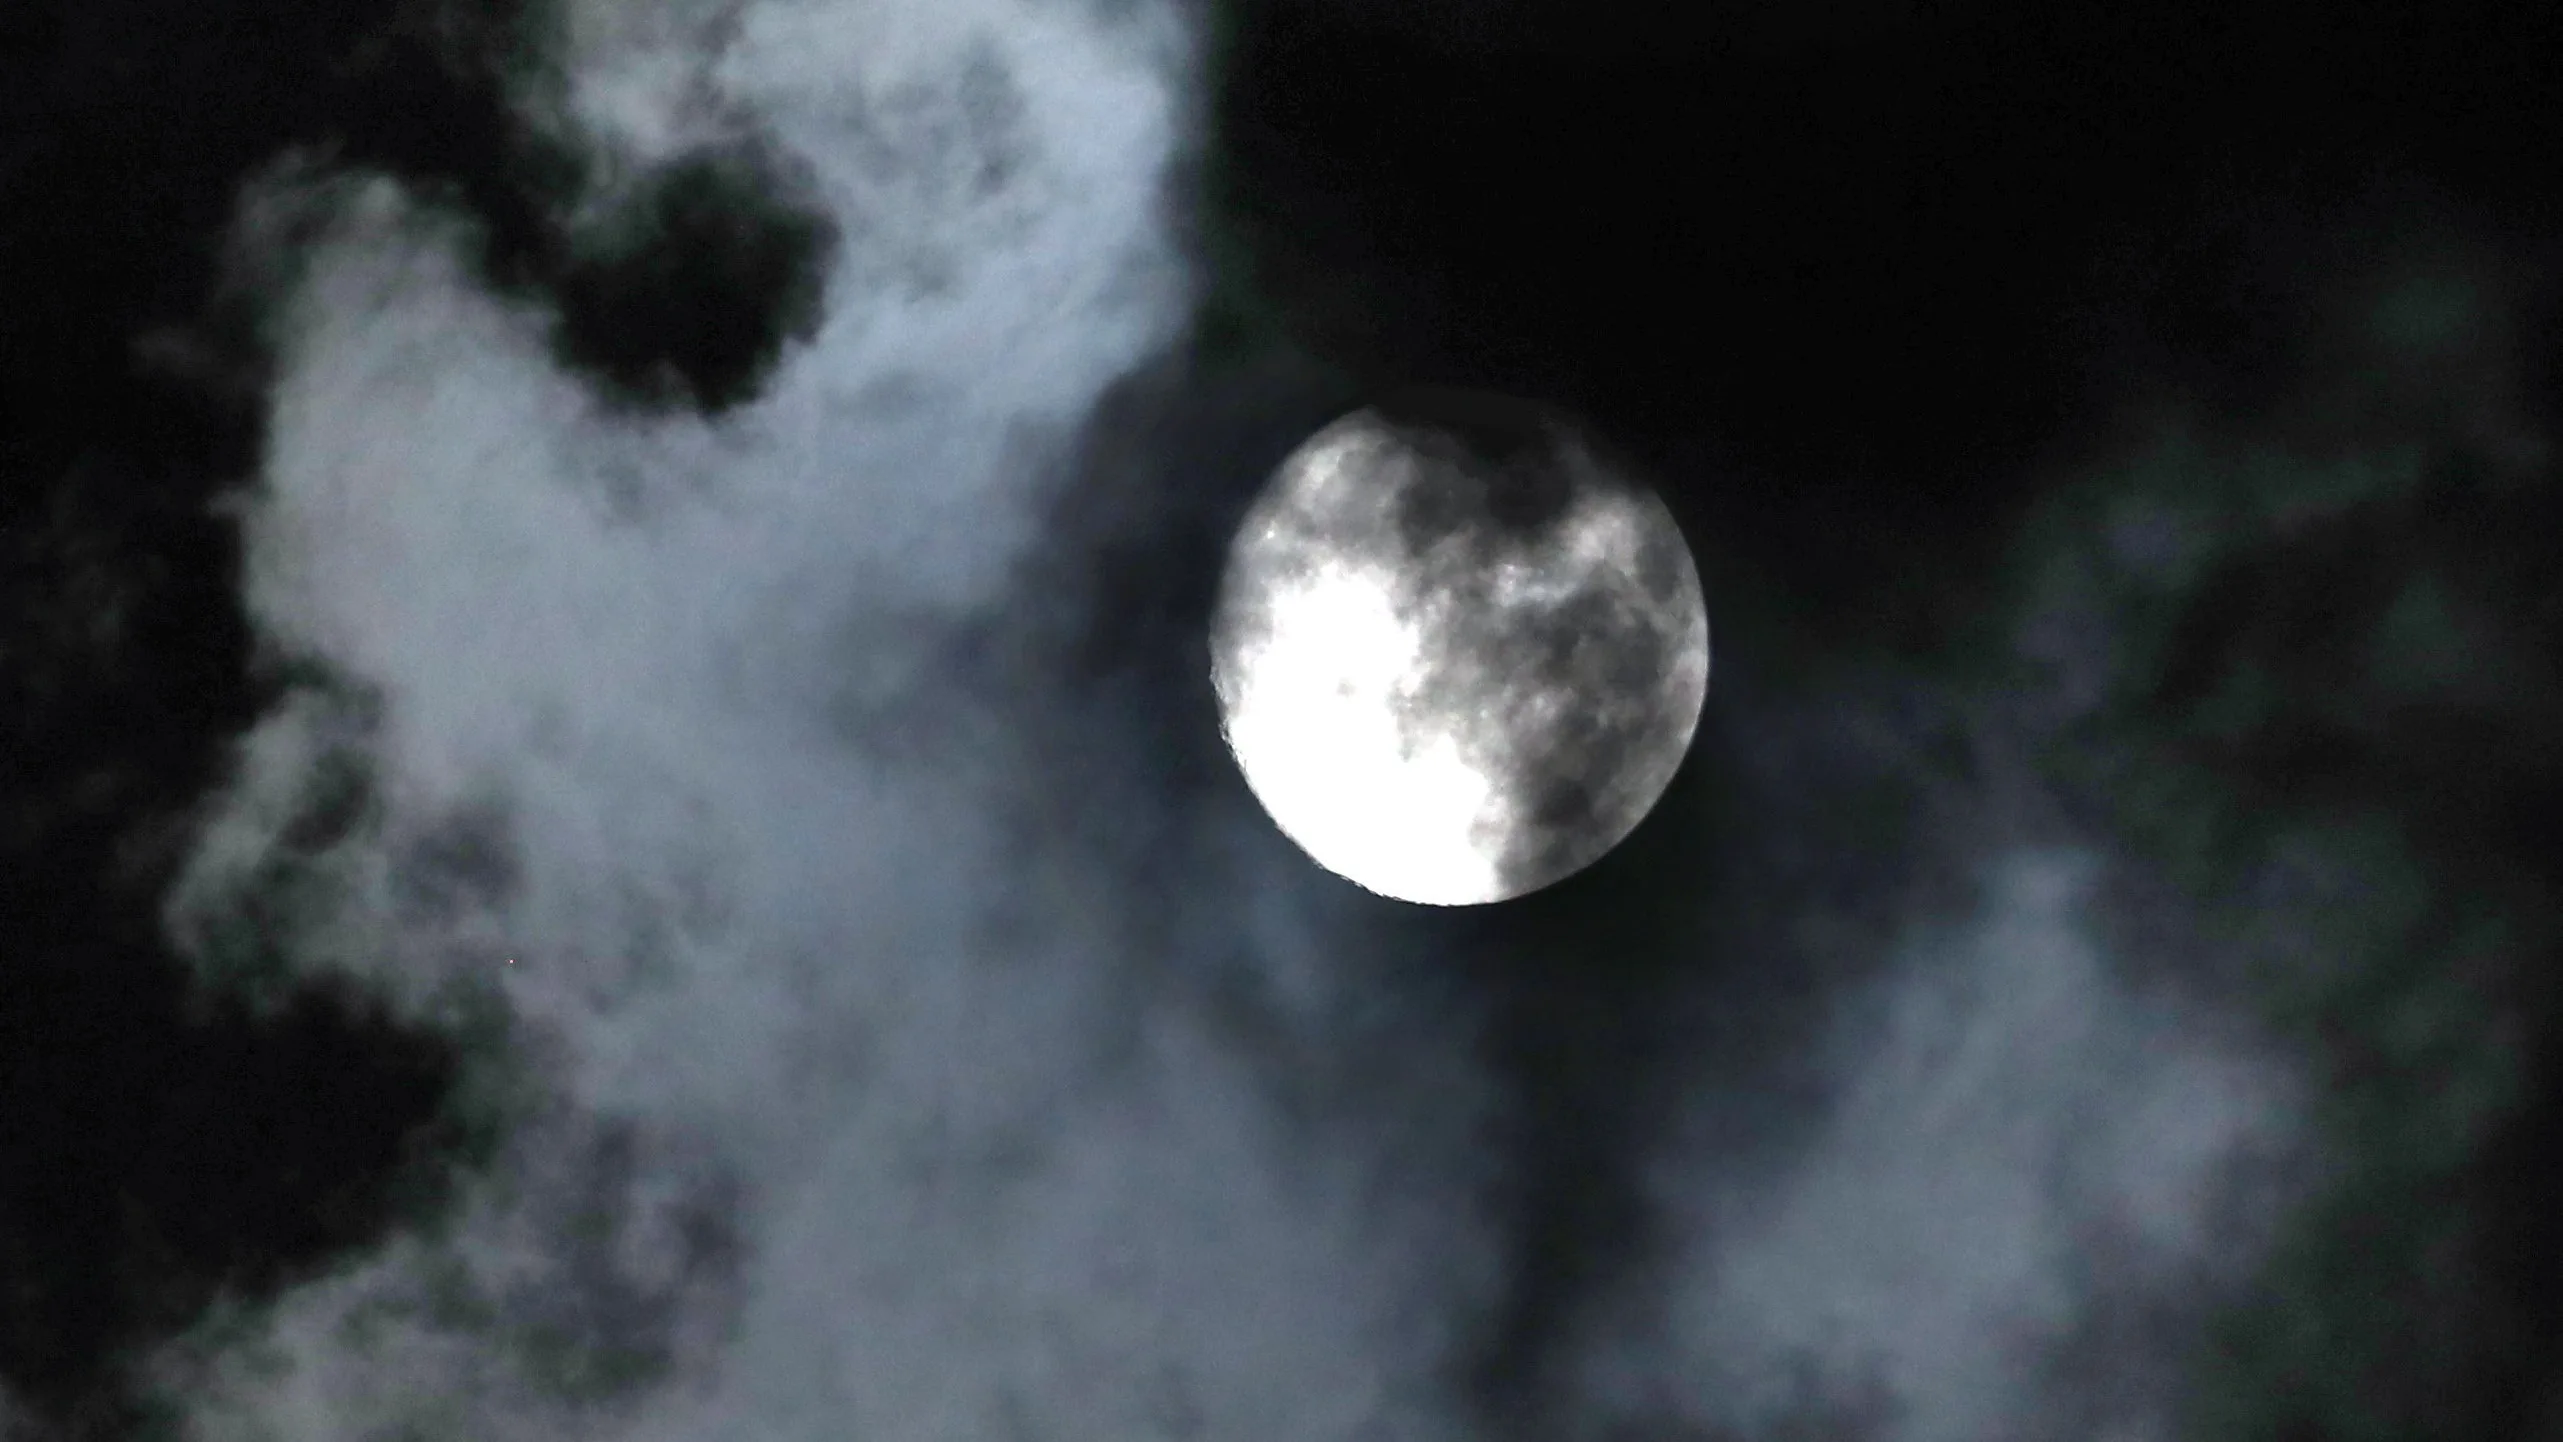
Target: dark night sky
[(726, 519)]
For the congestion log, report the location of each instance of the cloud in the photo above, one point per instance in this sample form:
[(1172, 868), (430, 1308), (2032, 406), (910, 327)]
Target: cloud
[(846, 1085), (2015, 1143), (807, 1131)]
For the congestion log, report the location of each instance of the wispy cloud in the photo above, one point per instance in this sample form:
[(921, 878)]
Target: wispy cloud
[(2015, 1146), (822, 1141), (844, 1093)]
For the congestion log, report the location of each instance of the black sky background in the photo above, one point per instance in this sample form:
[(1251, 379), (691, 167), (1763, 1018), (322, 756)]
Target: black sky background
[(1856, 285)]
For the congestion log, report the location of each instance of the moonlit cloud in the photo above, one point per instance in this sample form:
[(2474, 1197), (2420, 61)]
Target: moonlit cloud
[(823, 1146), (846, 1099), (2016, 1143)]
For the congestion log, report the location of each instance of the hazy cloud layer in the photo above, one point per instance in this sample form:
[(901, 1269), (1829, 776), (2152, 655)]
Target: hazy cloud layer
[(851, 1098), (860, 1157), (2016, 1145)]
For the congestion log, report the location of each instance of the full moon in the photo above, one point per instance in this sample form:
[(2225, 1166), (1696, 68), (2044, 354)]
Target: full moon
[(1459, 653)]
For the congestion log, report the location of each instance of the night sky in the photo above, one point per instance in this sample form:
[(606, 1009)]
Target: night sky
[(612, 818)]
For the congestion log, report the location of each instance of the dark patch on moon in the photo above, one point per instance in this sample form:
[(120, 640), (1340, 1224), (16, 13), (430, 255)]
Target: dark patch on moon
[(1587, 777), (1482, 465)]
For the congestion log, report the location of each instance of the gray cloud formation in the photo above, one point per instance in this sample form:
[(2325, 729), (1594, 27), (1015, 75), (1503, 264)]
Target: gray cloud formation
[(847, 1095), (862, 1159)]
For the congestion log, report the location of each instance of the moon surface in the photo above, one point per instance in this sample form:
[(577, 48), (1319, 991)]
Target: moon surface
[(1459, 654)]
